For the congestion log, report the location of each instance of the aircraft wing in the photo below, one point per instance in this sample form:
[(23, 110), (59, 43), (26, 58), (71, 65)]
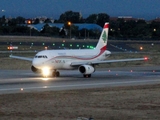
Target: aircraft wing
[(107, 61), (21, 58)]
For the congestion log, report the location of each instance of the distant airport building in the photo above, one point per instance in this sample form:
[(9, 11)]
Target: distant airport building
[(40, 26), (156, 20), (125, 18)]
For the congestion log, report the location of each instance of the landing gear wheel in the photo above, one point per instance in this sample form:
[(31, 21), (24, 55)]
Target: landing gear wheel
[(55, 73), (87, 75)]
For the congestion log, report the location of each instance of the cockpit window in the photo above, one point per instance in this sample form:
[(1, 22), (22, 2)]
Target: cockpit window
[(41, 56)]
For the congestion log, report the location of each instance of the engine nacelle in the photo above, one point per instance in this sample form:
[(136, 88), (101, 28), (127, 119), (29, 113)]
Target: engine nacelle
[(86, 69)]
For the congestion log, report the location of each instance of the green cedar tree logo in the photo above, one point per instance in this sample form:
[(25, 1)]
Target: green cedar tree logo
[(104, 36)]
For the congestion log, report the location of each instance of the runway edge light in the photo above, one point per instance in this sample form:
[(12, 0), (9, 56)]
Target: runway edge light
[(146, 58), (12, 47)]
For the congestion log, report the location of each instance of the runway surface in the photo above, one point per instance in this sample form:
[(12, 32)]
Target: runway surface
[(15, 81)]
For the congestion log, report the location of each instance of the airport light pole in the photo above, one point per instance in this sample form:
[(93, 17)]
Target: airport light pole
[(69, 24), (29, 23), (85, 30)]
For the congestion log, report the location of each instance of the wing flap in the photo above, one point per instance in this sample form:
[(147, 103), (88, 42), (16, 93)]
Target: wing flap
[(21, 58)]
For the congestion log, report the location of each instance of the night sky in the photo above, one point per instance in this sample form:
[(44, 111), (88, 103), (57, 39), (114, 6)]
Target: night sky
[(147, 9)]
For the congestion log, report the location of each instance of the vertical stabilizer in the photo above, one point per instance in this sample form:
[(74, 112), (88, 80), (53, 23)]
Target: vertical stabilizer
[(103, 38)]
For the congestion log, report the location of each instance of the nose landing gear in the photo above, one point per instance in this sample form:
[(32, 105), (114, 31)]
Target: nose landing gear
[(55, 73)]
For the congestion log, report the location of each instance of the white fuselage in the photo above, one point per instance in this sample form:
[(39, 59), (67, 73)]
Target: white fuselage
[(62, 59)]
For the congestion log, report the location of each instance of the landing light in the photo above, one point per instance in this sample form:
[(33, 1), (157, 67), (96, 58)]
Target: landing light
[(45, 71)]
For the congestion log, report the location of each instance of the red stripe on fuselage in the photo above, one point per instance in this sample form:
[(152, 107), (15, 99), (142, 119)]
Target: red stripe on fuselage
[(102, 50), (106, 26), (79, 58)]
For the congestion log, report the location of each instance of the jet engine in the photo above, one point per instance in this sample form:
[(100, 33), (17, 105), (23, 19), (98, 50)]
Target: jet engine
[(86, 69)]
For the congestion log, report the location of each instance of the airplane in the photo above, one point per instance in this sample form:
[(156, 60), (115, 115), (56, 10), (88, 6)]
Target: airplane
[(48, 62)]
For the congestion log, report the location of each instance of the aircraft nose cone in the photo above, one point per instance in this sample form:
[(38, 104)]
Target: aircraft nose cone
[(35, 63), (38, 63)]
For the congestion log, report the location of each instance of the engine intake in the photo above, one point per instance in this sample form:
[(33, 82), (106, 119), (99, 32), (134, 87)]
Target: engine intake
[(86, 69)]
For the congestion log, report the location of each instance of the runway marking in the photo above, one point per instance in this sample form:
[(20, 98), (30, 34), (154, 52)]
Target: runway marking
[(94, 84)]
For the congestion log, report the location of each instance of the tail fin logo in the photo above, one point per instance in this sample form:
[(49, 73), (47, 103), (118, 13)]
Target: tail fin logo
[(104, 36), (101, 45)]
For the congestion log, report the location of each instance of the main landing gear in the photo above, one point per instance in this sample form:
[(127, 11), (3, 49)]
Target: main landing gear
[(55, 73), (87, 75)]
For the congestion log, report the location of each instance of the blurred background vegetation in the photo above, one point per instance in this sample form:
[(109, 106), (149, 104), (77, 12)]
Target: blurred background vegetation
[(121, 28)]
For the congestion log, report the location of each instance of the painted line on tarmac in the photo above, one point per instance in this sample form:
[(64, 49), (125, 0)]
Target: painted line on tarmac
[(79, 85)]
